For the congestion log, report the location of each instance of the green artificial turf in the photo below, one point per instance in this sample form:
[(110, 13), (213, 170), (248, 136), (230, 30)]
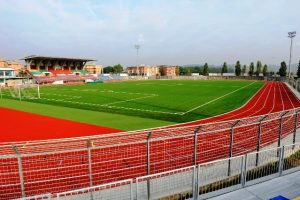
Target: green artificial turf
[(122, 122), (167, 100)]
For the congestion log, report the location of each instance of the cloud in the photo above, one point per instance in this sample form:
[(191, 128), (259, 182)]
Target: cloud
[(178, 32)]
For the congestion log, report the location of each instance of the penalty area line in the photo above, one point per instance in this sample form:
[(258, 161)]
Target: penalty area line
[(108, 106)]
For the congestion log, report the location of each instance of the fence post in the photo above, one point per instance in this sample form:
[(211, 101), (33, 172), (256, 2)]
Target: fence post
[(281, 160), (39, 94), (148, 163), (131, 189), (89, 146), (231, 144), (198, 181), (259, 138), (296, 126), (19, 91), (195, 144), (244, 170), (280, 129), (195, 175), (15, 148), (194, 184)]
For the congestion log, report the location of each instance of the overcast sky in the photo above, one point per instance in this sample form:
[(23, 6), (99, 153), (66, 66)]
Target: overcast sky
[(169, 32)]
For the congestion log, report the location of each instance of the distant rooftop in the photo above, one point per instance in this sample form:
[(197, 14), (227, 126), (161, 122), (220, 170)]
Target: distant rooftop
[(36, 57)]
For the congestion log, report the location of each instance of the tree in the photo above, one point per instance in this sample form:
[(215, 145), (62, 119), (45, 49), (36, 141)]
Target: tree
[(258, 68), (298, 71), (205, 69), (244, 70), (187, 71), (117, 68), (108, 69), (265, 70), (181, 71), (177, 71), (282, 69), (161, 70), (224, 68), (251, 69), (238, 68)]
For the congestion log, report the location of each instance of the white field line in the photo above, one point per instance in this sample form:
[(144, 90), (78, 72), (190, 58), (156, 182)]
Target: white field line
[(216, 99), (107, 91), (100, 105), (62, 95), (129, 100), (143, 110)]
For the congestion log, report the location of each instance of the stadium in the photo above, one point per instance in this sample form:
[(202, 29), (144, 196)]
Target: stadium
[(238, 128), (149, 100)]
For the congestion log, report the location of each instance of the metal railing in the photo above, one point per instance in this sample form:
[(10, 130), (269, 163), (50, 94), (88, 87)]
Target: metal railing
[(55, 166), (198, 181)]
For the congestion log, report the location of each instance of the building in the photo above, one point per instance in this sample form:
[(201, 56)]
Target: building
[(18, 67), (143, 70), (94, 69), (57, 70), (45, 65), (3, 63), (166, 70), (6, 74)]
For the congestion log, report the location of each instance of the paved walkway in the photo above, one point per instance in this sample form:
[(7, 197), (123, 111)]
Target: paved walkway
[(287, 186)]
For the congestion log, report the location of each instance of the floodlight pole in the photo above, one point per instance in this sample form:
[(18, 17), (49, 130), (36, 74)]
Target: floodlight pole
[(231, 144), (259, 138), (291, 35), (137, 47)]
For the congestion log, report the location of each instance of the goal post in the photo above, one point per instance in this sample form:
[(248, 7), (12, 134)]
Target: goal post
[(29, 91)]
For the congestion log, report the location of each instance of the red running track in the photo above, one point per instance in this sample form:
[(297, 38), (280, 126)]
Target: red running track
[(58, 172), (272, 97), (23, 126)]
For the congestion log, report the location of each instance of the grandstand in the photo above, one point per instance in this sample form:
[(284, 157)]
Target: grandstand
[(46, 69)]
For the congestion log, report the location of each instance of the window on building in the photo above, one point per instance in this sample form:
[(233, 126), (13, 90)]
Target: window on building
[(8, 73)]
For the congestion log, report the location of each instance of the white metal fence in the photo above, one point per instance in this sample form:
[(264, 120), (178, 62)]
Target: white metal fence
[(121, 190), (195, 182)]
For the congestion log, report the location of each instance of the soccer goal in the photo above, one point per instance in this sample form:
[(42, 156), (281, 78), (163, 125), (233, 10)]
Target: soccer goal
[(21, 91)]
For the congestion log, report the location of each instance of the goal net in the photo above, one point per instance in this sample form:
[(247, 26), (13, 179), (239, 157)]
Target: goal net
[(24, 91)]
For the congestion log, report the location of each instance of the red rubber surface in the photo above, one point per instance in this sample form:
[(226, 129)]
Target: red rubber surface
[(23, 126)]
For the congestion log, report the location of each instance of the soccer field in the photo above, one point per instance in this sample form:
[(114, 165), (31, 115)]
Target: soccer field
[(170, 100)]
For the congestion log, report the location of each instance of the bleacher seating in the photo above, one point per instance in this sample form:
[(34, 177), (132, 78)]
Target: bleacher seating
[(66, 76), (60, 72), (36, 73), (83, 72), (43, 70)]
